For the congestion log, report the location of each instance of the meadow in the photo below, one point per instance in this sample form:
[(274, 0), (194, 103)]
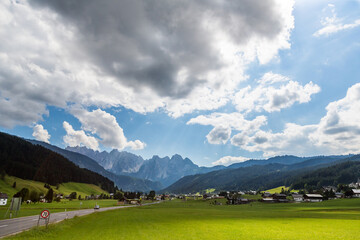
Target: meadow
[(82, 189), (199, 219)]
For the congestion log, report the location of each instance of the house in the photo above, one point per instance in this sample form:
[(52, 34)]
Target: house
[(237, 200), (356, 193), (329, 188), (3, 199), (42, 199), (268, 198), (59, 195), (298, 197), (313, 198), (280, 198), (339, 195), (267, 195)]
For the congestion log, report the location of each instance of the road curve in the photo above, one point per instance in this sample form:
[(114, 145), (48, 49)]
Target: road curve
[(17, 225)]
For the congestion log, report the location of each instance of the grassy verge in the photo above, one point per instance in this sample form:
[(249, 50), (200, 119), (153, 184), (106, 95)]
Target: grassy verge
[(36, 208), (337, 219), (82, 189)]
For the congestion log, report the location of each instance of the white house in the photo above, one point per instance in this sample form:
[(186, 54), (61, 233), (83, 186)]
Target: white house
[(356, 193), (3, 199), (313, 198), (298, 197)]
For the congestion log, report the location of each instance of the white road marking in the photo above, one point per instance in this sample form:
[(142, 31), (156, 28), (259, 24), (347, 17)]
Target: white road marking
[(3, 226)]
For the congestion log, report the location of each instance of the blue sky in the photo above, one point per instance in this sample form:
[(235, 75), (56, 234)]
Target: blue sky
[(218, 83)]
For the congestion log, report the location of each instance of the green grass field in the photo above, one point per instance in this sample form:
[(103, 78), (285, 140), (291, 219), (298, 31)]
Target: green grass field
[(336, 219), (65, 188), (82, 189), (278, 189)]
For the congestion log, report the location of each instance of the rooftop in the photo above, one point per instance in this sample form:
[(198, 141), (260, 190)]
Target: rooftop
[(314, 195), (3, 195)]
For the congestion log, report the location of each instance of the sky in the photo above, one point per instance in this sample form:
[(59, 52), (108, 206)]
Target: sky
[(216, 81)]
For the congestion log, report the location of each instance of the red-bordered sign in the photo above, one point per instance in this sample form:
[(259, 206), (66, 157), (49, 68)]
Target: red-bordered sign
[(45, 214)]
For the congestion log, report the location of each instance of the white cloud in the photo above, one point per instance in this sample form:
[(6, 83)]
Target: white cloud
[(41, 134), (338, 132), (180, 57), (219, 135), (333, 24), (223, 123), (339, 129), (79, 138), (294, 140), (234, 120), (228, 160), (274, 93), (106, 127), (136, 145)]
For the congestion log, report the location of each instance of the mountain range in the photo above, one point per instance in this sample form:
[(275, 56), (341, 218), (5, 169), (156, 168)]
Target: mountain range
[(127, 183), (165, 170), (176, 174), (261, 177)]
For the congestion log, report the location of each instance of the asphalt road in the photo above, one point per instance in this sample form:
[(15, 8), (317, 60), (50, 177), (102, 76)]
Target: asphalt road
[(16, 225)]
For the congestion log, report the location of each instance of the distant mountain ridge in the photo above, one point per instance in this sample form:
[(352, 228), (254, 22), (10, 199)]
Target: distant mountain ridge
[(127, 183), (285, 159), (256, 176), (114, 161), (166, 170)]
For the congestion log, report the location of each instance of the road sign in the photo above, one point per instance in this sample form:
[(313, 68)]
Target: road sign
[(45, 214)]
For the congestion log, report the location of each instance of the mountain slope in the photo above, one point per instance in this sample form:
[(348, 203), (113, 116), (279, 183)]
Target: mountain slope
[(344, 172), (24, 160), (127, 183), (253, 177), (83, 189), (165, 170), (114, 161), (286, 159)]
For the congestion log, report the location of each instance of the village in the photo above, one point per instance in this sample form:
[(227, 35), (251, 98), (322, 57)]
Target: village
[(351, 190)]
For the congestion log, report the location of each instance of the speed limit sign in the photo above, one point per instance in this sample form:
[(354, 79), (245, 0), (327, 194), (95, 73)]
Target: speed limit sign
[(45, 214)]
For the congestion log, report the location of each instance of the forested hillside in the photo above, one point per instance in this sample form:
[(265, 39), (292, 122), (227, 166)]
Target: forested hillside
[(22, 159), (345, 172), (312, 172)]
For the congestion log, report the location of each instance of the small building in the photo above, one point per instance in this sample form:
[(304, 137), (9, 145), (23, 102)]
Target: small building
[(280, 198), (356, 193), (339, 195), (3, 199), (237, 200), (267, 195), (313, 198), (298, 197), (329, 188), (356, 184)]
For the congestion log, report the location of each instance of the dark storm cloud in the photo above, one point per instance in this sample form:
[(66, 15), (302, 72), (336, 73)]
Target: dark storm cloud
[(147, 43)]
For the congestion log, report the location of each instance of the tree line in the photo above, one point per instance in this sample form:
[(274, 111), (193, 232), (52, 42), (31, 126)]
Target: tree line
[(27, 161)]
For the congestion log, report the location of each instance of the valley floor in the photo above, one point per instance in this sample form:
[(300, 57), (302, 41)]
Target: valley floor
[(198, 219)]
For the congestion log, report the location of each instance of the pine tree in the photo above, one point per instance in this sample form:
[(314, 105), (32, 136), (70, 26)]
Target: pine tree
[(49, 195)]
